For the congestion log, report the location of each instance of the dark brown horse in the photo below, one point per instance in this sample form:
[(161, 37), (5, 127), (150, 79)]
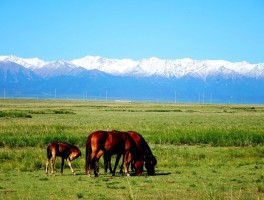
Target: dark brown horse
[(144, 149), (149, 158), (63, 150), (109, 143)]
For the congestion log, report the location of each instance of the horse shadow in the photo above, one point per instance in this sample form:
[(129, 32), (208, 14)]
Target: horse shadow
[(79, 173), (162, 174)]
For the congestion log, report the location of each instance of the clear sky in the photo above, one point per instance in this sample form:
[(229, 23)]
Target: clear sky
[(231, 30)]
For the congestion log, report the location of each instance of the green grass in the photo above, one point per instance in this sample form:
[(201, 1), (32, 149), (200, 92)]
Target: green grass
[(216, 125), (14, 114), (203, 151), (185, 172)]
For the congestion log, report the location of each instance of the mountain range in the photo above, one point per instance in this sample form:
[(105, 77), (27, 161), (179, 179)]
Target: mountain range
[(152, 79)]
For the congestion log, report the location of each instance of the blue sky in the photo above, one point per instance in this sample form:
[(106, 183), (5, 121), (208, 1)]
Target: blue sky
[(168, 29)]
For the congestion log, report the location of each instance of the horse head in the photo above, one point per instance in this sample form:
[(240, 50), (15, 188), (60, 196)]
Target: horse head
[(75, 154), (150, 164), (138, 165)]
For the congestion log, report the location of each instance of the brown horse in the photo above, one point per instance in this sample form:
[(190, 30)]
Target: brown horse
[(149, 158), (63, 150), (144, 149), (109, 143)]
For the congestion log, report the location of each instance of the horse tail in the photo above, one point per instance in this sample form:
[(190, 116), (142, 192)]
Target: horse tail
[(49, 154), (88, 153)]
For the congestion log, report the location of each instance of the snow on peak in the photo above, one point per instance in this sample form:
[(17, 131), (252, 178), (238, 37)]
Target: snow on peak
[(257, 71), (2, 58), (26, 62), (59, 65), (112, 66), (35, 62), (148, 66), (15, 59)]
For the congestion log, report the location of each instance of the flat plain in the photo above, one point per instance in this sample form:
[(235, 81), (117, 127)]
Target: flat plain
[(203, 151)]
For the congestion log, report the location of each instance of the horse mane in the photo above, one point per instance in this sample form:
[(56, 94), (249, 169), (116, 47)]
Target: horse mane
[(67, 144), (146, 147), (147, 151)]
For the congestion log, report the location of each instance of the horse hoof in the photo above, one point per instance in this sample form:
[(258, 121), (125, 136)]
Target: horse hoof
[(127, 174)]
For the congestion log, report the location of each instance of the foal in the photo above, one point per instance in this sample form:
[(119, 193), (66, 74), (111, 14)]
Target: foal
[(63, 150)]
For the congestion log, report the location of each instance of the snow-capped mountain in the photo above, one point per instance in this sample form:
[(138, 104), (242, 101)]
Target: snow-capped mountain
[(257, 71), (167, 68), (25, 62), (150, 78), (12, 72), (170, 68), (111, 66), (58, 68), (145, 67)]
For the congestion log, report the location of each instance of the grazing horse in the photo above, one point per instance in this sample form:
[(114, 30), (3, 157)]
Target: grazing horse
[(149, 158), (144, 149), (109, 143), (63, 150)]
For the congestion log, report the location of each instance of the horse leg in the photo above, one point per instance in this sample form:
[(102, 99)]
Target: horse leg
[(116, 163), (69, 163), (110, 166), (52, 164), (62, 165), (107, 162), (49, 155), (96, 167), (47, 166), (88, 164), (132, 166), (90, 158), (122, 165), (96, 163), (127, 160)]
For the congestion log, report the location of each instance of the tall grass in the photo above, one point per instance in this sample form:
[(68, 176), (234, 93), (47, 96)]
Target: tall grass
[(38, 135), (210, 137), (215, 125), (14, 114)]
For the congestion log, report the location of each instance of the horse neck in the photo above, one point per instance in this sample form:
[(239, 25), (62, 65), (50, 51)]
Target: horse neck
[(146, 149)]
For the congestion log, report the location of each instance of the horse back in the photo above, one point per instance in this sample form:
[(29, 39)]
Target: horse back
[(137, 139), (61, 149), (96, 140), (119, 142)]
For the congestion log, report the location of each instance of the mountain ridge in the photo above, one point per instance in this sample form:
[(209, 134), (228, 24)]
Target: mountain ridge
[(148, 66), (182, 80)]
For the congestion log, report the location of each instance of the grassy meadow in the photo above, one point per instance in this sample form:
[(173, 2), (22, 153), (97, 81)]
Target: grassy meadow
[(203, 151)]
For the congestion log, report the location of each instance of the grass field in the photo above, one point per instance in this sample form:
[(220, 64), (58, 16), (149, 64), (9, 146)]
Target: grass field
[(203, 151)]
